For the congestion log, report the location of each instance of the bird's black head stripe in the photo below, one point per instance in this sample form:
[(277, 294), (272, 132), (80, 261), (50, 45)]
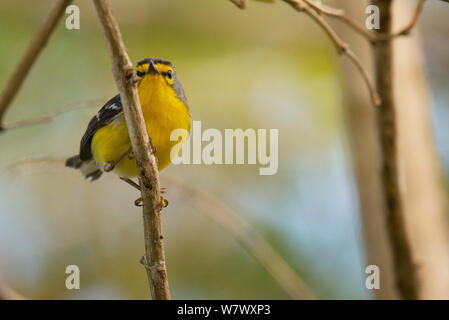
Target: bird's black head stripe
[(155, 61)]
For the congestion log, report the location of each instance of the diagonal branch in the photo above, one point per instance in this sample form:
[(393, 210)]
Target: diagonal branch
[(239, 3), (47, 117), (314, 10), (413, 21), (125, 79), (248, 238), (30, 56), (372, 37), (231, 222), (340, 14), (342, 47), (7, 293)]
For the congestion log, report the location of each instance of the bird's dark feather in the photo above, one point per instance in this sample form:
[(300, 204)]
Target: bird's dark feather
[(106, 114)]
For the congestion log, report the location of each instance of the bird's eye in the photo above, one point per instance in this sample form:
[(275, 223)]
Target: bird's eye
[(169, 74)]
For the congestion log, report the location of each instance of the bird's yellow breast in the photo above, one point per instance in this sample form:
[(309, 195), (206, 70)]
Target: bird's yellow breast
[(163, 112)]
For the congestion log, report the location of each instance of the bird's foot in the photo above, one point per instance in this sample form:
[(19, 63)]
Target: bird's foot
[(109, 166), (138, 202), (163, 203)]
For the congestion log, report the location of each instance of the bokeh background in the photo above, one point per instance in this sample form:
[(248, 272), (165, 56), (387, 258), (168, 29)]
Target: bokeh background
[(265, 67)]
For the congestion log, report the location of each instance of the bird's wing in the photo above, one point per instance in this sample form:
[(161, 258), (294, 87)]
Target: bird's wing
[(106, 114)]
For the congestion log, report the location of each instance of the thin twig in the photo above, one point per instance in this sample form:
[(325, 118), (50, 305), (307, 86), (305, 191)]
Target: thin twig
[(372, 37), (49, 116), (125, 79), (339, 14), (311, 10), (405, 31), (342, 47), (239, 3), (30, 56), (405, 269), (248, 238)]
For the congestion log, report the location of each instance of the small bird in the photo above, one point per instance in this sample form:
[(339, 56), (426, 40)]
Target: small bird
[(106, 146)]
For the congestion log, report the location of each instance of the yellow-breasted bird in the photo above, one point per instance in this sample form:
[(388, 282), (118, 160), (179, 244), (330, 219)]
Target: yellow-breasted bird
[(105, 145)]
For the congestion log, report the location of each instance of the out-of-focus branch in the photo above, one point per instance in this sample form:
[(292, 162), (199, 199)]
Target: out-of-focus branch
[(340, 14), (425, 194), (342, 47), (239, 3), (125, 79), (413, 21), (248, 238), (361, 130), (51, 115), (219, 212), (405, 269), (313, 10), (7, 293), (30, 56), (372, 37)]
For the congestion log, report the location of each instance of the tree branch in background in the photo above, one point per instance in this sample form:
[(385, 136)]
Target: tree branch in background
[(125, 79), (239, 3), (415, 18), (361, 129), (231, 222), (30, 56), (7, 293), (340, 14), (405, 270), (51, 115), (342, 47), (248, 238), (425, 193), (372, 37)]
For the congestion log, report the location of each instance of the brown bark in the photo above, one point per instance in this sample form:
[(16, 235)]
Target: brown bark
[(424, 204), (125, 79), (361, 126), (405, 268), (425, 201)]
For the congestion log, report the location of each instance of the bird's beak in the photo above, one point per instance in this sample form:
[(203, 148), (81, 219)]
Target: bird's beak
[(152, 68)]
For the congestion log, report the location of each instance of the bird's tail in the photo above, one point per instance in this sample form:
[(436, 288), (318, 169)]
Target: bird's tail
[(88, 168), (74, 162)]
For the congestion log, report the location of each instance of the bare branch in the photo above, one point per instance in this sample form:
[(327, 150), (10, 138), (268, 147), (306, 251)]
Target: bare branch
[(7, 293), (239, 3), (342, 47), (248, 237), (30, 56), (314, 10), (372, 37), (340, 15), (125, 77), (405, 269), (412, 23), (49, 116)]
